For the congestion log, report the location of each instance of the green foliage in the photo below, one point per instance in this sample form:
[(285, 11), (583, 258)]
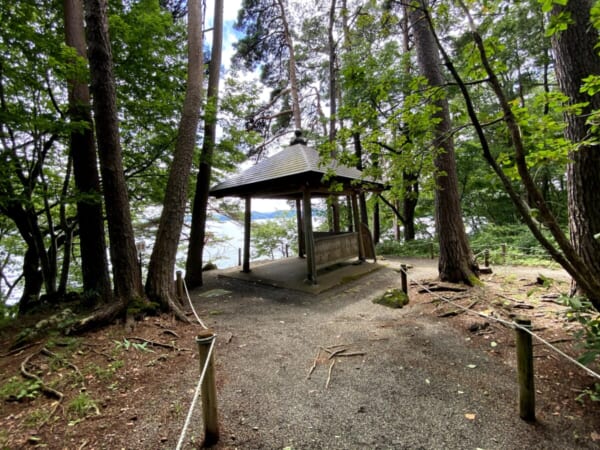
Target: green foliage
[(126, 344), (80, 407), (18, 389), (417, 248), (582, 311), (272, 236)]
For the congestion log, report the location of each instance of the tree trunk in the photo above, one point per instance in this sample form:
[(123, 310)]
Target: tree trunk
[(126, 275), (292, 67), (94, 264), (194, 262), (456, 262), (159, 285), (576, 58)]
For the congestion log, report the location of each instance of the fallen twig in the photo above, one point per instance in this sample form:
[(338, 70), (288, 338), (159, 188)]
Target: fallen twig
[(329, 374), (19, 349), (456, 312), (350, 354), (337, 353), (171, 332), (158, 344), (314, 366)]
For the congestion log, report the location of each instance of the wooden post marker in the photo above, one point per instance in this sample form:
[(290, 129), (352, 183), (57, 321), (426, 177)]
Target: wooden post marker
[(504, 254), (180, 293), (525, 371), (209, 389), (403, 278), (431, 250), (486, 258)]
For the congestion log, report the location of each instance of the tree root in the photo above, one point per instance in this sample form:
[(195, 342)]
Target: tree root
[(46, 390)]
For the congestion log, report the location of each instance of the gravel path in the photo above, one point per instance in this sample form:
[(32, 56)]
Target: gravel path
[(420, 384)]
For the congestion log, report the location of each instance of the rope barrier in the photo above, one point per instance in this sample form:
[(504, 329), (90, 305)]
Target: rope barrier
[(195, 398), (202, 374), (508, 324), (192, 306)]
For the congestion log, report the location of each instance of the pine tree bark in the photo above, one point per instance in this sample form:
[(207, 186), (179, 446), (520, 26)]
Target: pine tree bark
[(94, 264), (160, 281), (194, 262), (576, 58), (126, 274), (456, 262)]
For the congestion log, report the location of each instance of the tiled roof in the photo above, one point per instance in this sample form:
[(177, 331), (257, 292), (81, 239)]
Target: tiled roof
[(289, 164)]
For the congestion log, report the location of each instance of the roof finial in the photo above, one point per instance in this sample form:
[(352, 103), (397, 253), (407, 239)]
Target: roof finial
[(298, 139)]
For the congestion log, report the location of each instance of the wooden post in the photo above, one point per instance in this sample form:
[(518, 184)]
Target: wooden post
[(504, 254), (432, 250), (301, 244), (247, 224), (180, 291), (309, 240), (287, 250), (403, 277), (486, 258), (361, 244), (525, 371), (209, 389), (239, 256)]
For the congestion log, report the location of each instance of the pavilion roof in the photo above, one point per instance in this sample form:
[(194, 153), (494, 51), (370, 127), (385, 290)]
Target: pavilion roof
[(287, 173)]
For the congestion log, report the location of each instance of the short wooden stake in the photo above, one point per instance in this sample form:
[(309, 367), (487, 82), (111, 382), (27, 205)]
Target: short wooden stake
[(209, 389), (525, 371), (180, 293), (504, 254), (403, 278), (239, 256), (431, 251), (486, 258)]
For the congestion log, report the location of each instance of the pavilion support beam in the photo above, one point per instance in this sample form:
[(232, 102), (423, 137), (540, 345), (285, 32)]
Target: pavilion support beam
[(300, 226), (247, 223), (309, 240), (358, 228)]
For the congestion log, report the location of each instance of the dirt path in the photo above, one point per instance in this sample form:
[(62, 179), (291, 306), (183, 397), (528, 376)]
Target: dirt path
[(418, 384), (410, 378)]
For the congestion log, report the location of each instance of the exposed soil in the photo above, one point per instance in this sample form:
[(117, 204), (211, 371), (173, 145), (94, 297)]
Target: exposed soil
[(416, 377)]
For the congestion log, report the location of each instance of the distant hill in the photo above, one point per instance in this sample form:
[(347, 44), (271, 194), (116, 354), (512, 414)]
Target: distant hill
[(259, 215)]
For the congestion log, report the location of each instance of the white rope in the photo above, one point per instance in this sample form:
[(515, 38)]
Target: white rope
[(508, 324), (196, 395), (192, 306)]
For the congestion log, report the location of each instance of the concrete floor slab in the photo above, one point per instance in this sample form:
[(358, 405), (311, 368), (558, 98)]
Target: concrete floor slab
[(290, 273)]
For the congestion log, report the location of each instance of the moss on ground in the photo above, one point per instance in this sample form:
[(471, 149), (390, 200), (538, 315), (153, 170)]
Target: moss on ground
[(393, 298)]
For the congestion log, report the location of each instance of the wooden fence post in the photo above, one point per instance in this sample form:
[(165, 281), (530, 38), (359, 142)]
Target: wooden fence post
[(525, 370), (403, 278), (504, 254), (486, 256), (209, 389), (431, 250), (239, 256)]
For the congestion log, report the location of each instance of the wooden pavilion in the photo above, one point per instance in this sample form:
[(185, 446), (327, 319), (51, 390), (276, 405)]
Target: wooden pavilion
[(296, 173)]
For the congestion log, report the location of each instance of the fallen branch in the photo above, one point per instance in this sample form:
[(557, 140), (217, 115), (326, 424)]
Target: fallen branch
[(442, 288), (47, 390), (329, 374)]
